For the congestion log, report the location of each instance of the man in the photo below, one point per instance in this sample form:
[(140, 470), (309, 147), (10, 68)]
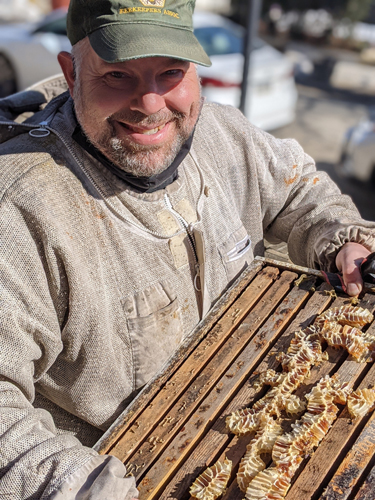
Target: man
[(127, 207)]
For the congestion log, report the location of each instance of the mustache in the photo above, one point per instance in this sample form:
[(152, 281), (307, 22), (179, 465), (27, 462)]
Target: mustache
[(137, 118)]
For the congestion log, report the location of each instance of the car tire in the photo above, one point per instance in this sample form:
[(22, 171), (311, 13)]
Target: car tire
[(8, 84)]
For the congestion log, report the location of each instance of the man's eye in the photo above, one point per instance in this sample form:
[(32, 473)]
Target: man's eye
[(173, 72), (117, 74)]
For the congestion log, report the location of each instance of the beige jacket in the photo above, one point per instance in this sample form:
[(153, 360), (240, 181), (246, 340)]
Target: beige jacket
[(99, 285)]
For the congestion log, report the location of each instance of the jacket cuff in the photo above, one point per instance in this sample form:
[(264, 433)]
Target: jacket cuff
[(100, 478), (330, 241)]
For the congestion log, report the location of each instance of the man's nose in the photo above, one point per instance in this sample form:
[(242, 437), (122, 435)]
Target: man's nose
[(147, 99)]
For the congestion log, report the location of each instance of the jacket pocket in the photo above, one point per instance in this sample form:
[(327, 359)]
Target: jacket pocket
[(155, 329), (236, 253)]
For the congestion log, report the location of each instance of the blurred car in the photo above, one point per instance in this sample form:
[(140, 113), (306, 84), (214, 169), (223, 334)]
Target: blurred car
[(272, 94), (358, 152), (28, 53)]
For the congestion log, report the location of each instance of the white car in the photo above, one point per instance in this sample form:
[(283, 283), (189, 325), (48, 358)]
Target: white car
[(358, 152), (272, 93), (28, 53)]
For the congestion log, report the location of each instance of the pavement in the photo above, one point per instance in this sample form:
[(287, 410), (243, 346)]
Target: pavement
[(353, 76), (335, 69)]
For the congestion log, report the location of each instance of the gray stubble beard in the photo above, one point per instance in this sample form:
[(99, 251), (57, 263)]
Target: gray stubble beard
[(134, 159), (140, 161)]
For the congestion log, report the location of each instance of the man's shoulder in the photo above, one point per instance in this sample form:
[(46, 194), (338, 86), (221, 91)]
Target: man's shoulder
[(17, 159), (225, 128), (21, 107), (222, 113), (19, 113), (230, 122)]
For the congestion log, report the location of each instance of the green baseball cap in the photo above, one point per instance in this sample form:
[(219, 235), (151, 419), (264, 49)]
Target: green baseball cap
[(120, 30)]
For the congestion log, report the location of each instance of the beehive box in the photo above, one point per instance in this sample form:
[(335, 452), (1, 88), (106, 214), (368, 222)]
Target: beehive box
[(176, 427)]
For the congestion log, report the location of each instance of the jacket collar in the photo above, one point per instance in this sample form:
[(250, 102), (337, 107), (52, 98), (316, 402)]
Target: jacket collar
[(138, 184)]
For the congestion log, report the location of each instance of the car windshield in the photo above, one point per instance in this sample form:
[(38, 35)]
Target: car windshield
[(217, 40)]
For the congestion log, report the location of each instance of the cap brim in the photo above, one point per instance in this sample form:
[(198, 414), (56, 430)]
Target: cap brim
[(121, 42)]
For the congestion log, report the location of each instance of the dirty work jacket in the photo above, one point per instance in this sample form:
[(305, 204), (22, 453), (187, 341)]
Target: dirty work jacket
[(99, 285)]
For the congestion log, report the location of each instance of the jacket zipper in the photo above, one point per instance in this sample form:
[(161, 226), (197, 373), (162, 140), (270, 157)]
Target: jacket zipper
[(43, 129), (189, 232)]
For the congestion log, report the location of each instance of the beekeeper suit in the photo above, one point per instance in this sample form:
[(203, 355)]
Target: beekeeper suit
[(128, 206)]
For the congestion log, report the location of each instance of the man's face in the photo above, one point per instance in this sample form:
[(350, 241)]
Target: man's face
[(138, 113)]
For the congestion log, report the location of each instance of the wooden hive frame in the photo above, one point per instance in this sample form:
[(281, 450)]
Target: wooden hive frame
[(175, 428)]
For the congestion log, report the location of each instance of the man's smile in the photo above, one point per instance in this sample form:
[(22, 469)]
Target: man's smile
[(143, 130), (147, 136)]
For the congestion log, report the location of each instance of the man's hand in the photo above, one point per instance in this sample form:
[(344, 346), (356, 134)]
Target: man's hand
[(348, 261)]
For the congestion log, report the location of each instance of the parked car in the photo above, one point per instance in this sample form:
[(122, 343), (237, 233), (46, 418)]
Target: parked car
[(358, 152), (272, 90), (28, 54), (28, 51)]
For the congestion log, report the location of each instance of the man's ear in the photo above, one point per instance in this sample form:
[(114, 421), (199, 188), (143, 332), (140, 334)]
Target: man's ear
[(66, 62)]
